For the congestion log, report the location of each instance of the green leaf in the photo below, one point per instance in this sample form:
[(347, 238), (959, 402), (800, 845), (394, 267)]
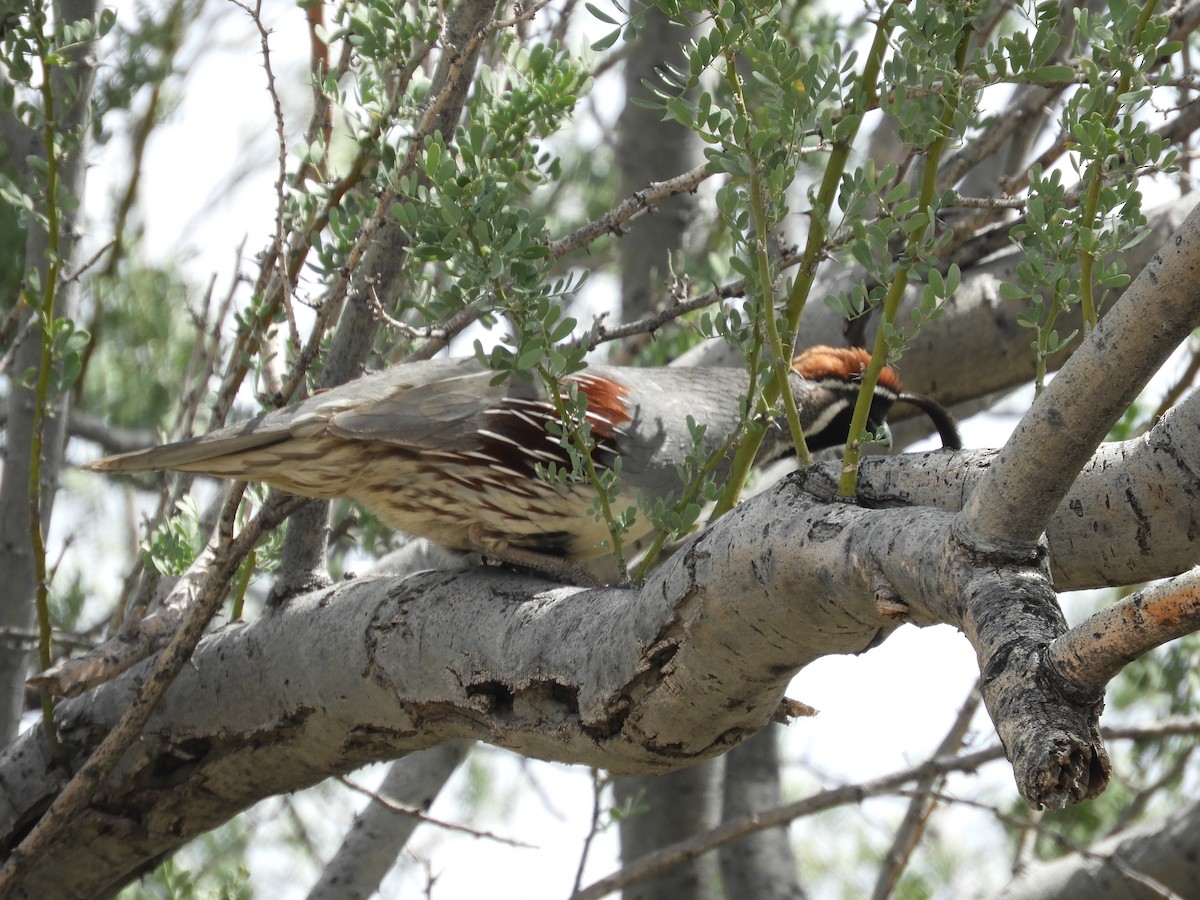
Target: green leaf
[(607, 41), (600, 14), (1051, 75)]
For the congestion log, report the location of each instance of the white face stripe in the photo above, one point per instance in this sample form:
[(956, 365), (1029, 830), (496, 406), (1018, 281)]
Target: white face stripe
[(842, 404), (828, 414)]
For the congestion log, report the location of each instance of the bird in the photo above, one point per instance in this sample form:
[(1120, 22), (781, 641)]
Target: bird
[(442, 449)]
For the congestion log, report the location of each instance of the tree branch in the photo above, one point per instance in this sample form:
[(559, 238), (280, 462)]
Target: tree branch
[(1095, 650), (1013, 503), (679, 675)]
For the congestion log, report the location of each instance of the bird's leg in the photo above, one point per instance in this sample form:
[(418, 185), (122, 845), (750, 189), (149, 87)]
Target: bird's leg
[(557, 567)]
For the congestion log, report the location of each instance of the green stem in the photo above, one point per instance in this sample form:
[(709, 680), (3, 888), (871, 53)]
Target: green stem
[(839, 157), (1043, 342), (814, 249), (1095, 177), (848, 482), (42, 386), (780, 353), (241, 584), (691, 494)]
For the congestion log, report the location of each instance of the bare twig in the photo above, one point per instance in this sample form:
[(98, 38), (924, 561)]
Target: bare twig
[(275, 252), (912, 827), (599, 785), (630, 208), (660, 861), (1148, 792), (212, 572), (416, 813), (669, 857)]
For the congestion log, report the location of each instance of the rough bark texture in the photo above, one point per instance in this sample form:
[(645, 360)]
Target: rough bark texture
[(1141, 493), (638, 681)]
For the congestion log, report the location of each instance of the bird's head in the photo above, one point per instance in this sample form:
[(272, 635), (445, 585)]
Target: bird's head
[(827, 390)]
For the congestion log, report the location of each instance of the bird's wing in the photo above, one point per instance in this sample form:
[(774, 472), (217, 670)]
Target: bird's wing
[(442, 414)]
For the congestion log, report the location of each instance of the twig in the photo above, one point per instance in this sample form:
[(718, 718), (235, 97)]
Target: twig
[(406, 810), (215, 567), (1023, 855), (1148, 792), (1094, 651), (912, 827), (275, 252), (660, 861), (599, 784), (27, 329), (435, 337), (628, 209), (1179, 387), (988, 202)]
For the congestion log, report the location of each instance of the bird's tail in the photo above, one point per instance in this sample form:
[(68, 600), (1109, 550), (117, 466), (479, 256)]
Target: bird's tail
[(199, 454)]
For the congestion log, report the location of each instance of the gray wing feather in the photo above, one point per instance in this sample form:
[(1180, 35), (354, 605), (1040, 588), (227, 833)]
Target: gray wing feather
[(436, 415)]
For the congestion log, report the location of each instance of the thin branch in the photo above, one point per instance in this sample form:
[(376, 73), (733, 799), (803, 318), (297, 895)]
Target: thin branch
[(275, 252), (599, 784), (661, 860), (912, 827), (1147, 792), (110, 438), (987, 202), (1095, 650), (613, 221), (434, 337), (404, 809), (669, 857)]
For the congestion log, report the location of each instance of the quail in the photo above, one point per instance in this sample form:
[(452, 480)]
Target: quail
[(437, 449)]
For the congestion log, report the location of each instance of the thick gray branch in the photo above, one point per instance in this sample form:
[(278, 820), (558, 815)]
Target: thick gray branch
[(1031, 475), (636, 681), (1141, 493)]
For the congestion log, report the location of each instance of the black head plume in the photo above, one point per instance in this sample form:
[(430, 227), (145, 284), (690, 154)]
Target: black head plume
[(943, 421)]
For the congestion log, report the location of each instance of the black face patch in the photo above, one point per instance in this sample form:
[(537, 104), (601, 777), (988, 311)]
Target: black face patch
[(837, 432)]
